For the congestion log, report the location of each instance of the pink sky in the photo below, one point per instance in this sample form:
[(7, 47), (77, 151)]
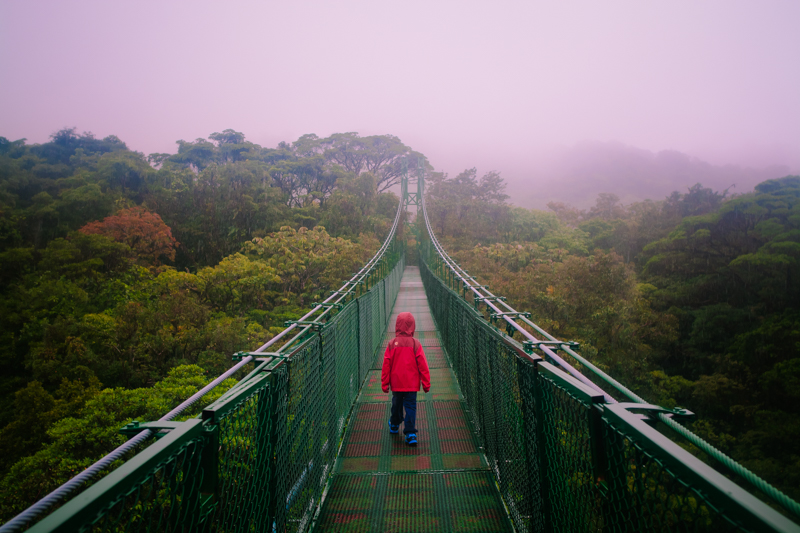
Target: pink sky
[(487, 84)]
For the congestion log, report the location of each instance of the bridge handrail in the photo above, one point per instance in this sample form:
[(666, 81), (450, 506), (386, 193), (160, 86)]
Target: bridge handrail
[(459, 280), (358, 283)]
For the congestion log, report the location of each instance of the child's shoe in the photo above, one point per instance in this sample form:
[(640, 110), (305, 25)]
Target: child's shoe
[(394, 430), (411, 439)]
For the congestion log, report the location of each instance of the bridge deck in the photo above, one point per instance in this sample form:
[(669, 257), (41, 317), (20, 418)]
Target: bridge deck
[(444, 484)]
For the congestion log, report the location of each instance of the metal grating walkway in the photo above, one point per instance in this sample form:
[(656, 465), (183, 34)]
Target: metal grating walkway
[(444, 484)]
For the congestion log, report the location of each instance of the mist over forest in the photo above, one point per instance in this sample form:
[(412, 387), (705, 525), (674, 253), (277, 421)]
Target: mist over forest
[(577, 174)]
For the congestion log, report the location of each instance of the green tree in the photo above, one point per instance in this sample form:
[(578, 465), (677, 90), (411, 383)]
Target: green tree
[(468, 208), (380, 155), (75, 442), (730, 277), (309, 262), (238, 284), (196, 155), (35, 410)]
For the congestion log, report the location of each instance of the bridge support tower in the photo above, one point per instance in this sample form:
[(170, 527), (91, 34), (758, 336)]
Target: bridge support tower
[(411, 197)]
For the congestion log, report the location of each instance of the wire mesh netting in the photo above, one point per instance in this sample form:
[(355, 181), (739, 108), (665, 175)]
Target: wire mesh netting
[(346, 358), (645, 495), (565, 445), (246, 441), (365, 352), (488, 375), (306, 435), (166, 500)]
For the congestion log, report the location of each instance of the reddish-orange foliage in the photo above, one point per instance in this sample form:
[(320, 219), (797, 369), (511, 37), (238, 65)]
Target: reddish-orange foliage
[(142, 230)]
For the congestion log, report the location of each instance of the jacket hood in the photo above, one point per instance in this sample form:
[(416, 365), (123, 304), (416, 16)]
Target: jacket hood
[(405, 325)]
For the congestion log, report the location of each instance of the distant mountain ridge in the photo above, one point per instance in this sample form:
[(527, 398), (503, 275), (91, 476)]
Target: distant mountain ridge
[(578, 174)]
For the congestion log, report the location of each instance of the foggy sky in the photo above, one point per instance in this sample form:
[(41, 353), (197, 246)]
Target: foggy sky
[(497, 85)]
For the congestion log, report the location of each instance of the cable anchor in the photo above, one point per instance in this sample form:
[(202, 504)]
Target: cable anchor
[(316, 326), (238, 356), (529, 346)]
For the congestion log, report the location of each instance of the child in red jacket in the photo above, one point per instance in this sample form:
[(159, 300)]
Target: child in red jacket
[(404, 368)]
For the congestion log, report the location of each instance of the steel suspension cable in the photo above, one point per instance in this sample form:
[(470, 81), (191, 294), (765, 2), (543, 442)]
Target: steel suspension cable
[(476, 288)]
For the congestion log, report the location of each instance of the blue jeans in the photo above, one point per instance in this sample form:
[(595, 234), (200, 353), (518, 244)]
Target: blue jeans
[(409, 401)]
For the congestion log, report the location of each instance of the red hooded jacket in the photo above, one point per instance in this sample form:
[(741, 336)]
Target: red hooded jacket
[(404, 363)]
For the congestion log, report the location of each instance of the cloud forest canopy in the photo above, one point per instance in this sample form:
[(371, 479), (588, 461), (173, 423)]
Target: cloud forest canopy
[(127, 281), (121, 274)]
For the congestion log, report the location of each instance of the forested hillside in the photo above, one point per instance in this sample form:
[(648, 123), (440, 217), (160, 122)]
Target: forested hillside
[(693, 300), (128, 281)]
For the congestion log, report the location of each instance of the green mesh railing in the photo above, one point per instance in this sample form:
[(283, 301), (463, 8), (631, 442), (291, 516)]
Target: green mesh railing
[(258, 458), (565, 455)]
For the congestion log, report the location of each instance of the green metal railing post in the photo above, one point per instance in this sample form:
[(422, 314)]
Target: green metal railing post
[(600, 467), (209, 488), (273, 420), (358, 339), (526, 374), (541, 444)]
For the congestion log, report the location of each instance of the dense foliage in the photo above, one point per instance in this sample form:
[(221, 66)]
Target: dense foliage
[(693, 300), (84, 426), (732, 280), (128, 281)]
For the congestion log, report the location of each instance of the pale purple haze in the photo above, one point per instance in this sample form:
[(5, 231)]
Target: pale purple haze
[(497, 85)]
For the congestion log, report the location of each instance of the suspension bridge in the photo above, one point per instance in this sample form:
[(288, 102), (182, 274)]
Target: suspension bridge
[(518, 432)]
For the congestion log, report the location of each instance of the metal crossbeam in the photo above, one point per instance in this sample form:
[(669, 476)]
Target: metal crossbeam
[(529, 346)]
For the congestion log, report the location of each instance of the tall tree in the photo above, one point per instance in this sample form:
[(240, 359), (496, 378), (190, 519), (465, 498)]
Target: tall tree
[(381, 155)]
